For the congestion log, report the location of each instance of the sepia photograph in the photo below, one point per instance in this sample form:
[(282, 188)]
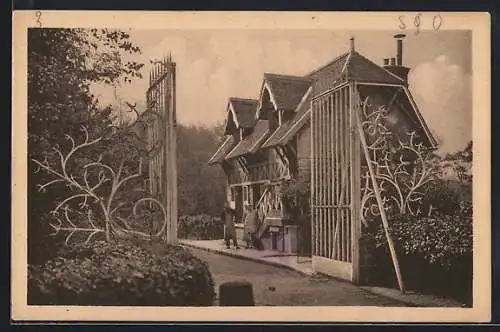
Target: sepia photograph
[(240, 165)]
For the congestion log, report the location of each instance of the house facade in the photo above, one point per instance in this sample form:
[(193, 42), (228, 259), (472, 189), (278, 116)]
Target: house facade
[(304, 129)]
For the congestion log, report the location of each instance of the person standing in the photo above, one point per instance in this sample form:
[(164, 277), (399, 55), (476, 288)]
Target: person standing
[(250, 225), (228, 216)]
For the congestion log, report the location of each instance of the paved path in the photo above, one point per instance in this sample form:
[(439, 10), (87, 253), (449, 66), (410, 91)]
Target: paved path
[(276, 286)]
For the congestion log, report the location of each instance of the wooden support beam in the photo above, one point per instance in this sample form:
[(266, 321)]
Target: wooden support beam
[(336, 183), (243, 164), (323, 178), (343, 169), (380, 203), (312, 197), (355, 184), (328, 181)]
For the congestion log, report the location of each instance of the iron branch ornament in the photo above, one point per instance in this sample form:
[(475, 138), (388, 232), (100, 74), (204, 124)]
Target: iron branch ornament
[(153, 147), (88, 196), (402, 165)]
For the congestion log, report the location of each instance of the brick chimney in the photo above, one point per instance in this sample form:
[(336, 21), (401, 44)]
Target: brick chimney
[(395, 65)]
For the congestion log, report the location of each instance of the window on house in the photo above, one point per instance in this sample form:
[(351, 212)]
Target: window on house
[(233, 194), (273, 120)]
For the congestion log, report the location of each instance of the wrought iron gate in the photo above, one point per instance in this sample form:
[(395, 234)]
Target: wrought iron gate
[(334, 183), (161, 138)]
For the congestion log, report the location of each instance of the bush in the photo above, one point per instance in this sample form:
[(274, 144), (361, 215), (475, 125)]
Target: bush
[(296, 198), (122, 274), (447, 196), (200, 227), (438, 240), (435, 253)]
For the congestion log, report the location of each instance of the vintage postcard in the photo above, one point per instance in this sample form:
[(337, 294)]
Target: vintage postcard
[(251, 166)]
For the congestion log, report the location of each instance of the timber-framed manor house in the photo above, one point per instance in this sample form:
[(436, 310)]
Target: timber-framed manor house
[(308, 129)]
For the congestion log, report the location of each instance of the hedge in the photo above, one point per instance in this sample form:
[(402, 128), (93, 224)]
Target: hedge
[(122, 274), (200, 227), (435, 253)]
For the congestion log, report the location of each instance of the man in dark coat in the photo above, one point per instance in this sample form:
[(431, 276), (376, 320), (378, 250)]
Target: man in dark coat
[(228, 216)]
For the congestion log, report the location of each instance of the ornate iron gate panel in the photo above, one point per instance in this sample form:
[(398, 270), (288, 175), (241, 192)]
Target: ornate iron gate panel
[(162, 144)]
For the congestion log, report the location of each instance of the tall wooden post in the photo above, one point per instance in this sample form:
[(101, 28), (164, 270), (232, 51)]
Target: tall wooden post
[(355, 151)]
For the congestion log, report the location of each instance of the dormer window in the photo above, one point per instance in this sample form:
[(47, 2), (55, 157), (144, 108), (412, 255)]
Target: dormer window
[(274, 119)]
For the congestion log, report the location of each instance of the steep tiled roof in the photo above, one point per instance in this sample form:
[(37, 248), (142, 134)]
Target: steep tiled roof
[(328, 76), (245, 111), (354, 66), (287, 90), (221, 152), (252, 141), (361, 68)]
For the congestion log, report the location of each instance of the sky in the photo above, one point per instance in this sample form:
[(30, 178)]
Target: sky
[(213, 65)]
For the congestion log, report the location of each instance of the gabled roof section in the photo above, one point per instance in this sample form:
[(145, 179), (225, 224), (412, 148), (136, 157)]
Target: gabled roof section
[(286, 91), (252, 142), (240, 113), (360, 68), (351, 66), (289, 129), (222, 151), (244, 110)]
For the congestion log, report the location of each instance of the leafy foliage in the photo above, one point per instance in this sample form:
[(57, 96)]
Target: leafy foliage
[(195, 147), (296, 198), (439, 239), (121, 274), (62, 63), (200, 227), (434, 253)]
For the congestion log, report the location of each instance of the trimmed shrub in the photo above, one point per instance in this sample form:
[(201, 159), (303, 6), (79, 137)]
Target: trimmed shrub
[(122, 274), (435, 253), (200, 227)]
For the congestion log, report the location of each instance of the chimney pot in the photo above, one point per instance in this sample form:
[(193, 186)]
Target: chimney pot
[(393, 61), (399, 51), (352, 44), (386, 61)]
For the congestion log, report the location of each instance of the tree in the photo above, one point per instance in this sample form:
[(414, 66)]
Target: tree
[(62, 63), (201, 186), (461, 163)]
